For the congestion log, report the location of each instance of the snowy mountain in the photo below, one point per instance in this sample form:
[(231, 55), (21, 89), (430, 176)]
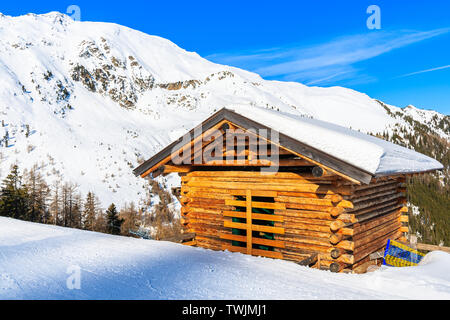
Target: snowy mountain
[(87, 101)]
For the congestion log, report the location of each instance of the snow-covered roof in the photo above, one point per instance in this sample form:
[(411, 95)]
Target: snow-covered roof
[(356, 155), (371, 154)]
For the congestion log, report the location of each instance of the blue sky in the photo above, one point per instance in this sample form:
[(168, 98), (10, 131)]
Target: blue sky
[(323, 43)]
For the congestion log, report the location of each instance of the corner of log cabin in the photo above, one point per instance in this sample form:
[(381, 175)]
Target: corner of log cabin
[(291, 215)]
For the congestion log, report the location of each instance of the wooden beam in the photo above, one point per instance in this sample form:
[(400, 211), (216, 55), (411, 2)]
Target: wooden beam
[(255, 227), (248, 200), (256, 216), (430, 247), (265, 242), (256, 204)]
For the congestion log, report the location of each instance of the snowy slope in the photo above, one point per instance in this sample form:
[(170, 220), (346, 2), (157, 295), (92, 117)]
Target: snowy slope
[(37, 260), (87, 101)]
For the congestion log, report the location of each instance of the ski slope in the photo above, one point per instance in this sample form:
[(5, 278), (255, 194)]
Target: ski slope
[(37, 260)]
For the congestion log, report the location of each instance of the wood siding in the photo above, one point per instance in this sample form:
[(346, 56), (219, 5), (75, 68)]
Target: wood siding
[(343, 223)]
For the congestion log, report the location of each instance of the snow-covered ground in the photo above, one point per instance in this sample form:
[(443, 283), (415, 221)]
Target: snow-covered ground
[(42, 262)]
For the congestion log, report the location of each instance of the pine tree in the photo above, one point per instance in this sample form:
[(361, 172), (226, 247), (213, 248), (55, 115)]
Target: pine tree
[(68, 201), (38, 193), (55, 203), (14, 196), (113, 221), (90, 211)]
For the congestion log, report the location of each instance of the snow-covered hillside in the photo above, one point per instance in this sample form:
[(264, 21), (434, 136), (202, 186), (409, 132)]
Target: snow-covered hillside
[(43, 262), (87, 101)]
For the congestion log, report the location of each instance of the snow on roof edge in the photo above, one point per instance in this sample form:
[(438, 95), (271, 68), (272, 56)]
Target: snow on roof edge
[(376, 156)]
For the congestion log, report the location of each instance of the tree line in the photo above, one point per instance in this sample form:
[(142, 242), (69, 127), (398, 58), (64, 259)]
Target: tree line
[(28, 197)]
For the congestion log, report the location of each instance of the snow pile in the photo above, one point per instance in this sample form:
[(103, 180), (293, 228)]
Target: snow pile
[(369, 153), (39, 261)]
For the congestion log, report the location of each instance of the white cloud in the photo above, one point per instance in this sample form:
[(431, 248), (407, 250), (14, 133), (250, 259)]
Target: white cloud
[(326, 62), (424, 71)]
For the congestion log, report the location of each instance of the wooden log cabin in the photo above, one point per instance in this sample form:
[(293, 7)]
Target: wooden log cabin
[(310, 192)]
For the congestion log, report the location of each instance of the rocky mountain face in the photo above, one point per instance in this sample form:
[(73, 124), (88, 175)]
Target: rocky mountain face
[(89, 101)]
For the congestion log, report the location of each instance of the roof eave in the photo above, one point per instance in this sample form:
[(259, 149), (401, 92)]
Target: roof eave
[(225, 114)]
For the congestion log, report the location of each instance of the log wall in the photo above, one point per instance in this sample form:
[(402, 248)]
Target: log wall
[(293, 215)]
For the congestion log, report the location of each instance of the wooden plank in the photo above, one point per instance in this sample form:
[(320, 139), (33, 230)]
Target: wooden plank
[(375, 201), (332, 197), (255, 174), (314, 188), (266, 242), (255, 193), (256, 204), (256, 216), (430, 247), (311, 215), (320, 202), (255, 227), (262, 179), (248, 201), (255, 252)]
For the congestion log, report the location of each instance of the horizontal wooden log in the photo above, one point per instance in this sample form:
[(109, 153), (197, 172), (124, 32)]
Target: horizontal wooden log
[(373, 185), (331, 197), (206, 195), (186, 190), (306, 232), (255, 216), (237, 225), (303, 242), (430, 247), (258, 162), (261, 179), (334, 211), (255, 193), (375, 201), (255, 252), (305, 214), (255, 240), (376, 233), (360, 228), (254, 174), (374, 246), (312, 201), (382, 205), (377, 213), (315, 188), (176, 168), (256, 204), (386, 192)]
